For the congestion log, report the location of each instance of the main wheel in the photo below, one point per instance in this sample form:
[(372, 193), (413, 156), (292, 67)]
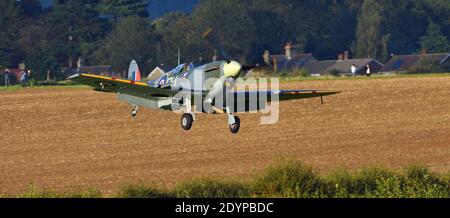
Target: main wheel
[(186, 121), (234, 128)]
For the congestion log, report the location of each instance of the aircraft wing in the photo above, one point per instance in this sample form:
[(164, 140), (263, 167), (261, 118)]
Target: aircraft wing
[(300, 94), (246, 101), (115, 85), (284, 95)]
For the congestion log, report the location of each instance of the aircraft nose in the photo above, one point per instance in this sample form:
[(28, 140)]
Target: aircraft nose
[(232, 69)]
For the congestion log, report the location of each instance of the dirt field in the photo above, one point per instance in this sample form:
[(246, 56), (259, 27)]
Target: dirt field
[(74, 138)]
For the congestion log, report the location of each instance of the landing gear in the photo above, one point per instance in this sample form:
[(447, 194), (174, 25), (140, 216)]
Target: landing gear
[(134, 111), (186, 121), (234, 128), (233, 121), (188, 118)]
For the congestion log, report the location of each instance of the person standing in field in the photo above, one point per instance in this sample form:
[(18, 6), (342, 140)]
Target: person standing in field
[(24, 78), (368, 72), (353, 69), (7, 77)]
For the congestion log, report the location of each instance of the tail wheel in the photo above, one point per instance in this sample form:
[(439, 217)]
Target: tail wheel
[(186, 121), (134, 111), (234, 128)]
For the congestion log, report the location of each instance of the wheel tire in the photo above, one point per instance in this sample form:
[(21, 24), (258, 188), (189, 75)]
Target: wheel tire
[(234, 128), (186, 121)]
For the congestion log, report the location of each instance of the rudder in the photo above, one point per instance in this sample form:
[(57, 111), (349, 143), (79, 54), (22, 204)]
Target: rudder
[(134, 73)]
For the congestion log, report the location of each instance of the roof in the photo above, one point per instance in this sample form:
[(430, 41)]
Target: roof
[(320, 67), (317, 67), (156, 73), (405, 62), (296, 61)]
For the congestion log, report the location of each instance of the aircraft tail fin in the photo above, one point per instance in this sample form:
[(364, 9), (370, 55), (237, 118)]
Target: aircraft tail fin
[(134, 73)]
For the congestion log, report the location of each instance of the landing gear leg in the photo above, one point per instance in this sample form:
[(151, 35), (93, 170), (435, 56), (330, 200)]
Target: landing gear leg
[(134, 110), (188, 118), (233, 121)]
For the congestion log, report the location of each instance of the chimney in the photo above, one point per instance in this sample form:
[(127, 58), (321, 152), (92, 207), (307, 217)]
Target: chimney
[(214, 58), (275, 65), (79, 63), (266, 57), (288, 50)]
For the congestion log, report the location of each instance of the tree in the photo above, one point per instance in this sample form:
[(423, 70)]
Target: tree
[(123, 8), (132, 38), (231, 23), (433, 40), (42, 62), (175, 32), (371, 39), (334, 29), (76, 29), (31, 8), (11, 21), (439, 11)]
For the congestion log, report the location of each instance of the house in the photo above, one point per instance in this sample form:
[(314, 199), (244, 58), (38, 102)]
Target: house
[(342, 66), (290, 61), (159, 71), (155, 74), (404, 63)]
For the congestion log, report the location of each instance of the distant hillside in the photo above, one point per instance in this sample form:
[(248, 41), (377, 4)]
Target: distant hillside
[(157, 8)]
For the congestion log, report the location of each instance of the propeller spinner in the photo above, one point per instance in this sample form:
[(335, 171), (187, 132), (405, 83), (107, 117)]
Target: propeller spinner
[(232, 69)]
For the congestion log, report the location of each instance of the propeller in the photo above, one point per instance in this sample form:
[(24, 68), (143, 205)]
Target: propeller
[(230, 70), (214, 42)]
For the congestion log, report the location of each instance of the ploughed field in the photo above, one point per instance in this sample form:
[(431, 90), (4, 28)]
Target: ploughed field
[(76, 139)]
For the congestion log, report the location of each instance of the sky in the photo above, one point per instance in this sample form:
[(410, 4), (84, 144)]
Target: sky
[(157, 8)]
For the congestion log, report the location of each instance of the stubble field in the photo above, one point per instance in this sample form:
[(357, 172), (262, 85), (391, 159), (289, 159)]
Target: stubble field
[(75, 138)]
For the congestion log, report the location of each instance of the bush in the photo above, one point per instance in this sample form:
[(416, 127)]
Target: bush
[(345, 184), (32, 192), (335, 72), (33, 82), (141, 191), (66, 83), (420, 183), (426, 65), (301, 73), (206, 188), (282, 74), (390, 187), (288, 179), (47, 83)]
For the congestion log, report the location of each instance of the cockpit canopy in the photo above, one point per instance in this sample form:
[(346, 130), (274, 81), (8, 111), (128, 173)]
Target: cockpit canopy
[(181, 70)]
